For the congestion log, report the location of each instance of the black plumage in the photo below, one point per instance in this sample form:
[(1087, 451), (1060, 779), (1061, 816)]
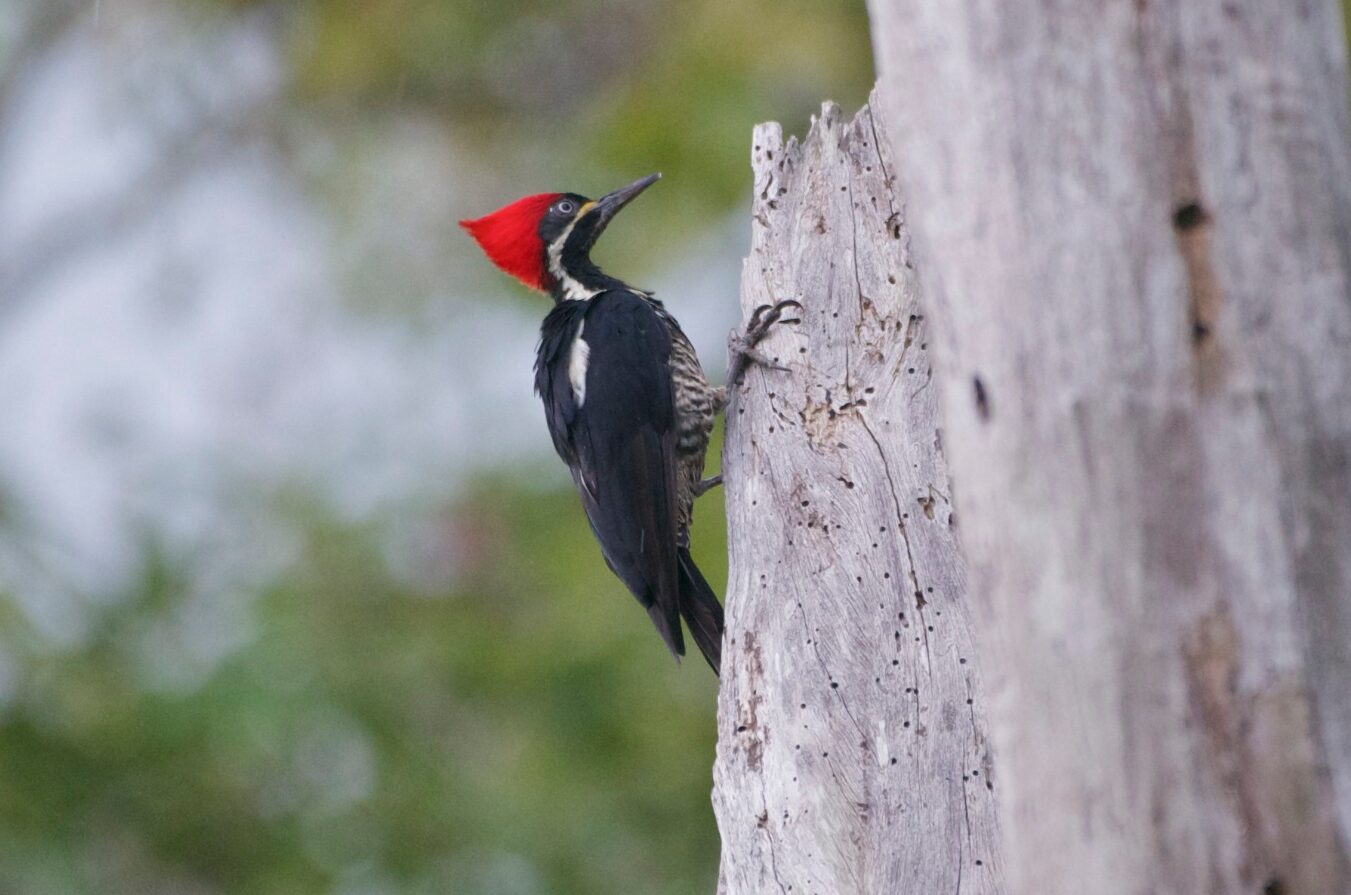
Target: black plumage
[(627, 404), (616, 427)]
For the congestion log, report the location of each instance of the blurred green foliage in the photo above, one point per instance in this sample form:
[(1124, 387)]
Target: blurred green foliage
[(522, 732), (521, 729), (587, 94)]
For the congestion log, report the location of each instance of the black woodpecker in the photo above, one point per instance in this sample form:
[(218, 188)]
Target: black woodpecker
[(625, 400)]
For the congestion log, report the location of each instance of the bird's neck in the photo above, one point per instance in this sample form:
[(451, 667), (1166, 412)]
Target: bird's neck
[(580, 280)]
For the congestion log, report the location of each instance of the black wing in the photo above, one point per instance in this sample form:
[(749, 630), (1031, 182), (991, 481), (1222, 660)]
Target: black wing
[(617, 434)]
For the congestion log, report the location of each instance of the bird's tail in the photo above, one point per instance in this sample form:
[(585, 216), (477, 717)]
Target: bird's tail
[(701, 610)]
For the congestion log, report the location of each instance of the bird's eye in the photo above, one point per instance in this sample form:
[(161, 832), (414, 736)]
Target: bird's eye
[(566, 207)]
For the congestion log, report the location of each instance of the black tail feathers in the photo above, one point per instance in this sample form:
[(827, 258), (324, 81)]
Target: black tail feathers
[(669, 628), (701, 610)]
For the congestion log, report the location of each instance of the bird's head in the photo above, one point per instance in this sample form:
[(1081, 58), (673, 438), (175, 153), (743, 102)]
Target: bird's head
[(545, 240)]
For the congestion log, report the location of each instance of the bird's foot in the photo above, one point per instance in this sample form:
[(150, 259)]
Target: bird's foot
[(707, 485), (743, 345)]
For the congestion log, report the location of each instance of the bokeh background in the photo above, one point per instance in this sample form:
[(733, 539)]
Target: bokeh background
[(294, 597)]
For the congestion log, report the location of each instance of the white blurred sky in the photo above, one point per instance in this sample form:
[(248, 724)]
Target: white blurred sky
[(219, 339)]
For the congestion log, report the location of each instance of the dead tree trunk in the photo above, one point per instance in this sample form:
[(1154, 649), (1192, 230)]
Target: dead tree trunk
[(852, 755), (1133, 227)]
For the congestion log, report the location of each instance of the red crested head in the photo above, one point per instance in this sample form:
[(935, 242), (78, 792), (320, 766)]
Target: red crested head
[(511, 239), (545, 240)]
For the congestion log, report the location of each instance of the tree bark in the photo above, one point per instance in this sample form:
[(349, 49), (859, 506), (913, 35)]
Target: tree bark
[(1133, 226), (852, 753)]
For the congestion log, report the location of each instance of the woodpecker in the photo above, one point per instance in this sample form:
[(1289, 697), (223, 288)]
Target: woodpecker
[(626, 401)]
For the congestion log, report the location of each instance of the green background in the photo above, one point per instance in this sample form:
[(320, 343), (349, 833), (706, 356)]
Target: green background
[(520, 729)]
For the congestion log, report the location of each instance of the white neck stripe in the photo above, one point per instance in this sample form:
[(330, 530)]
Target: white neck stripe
[(571, 288)]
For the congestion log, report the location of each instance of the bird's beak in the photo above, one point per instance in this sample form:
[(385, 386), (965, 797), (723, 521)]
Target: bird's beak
[(609, 205)]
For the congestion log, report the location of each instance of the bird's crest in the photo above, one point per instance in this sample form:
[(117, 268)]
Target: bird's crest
[(510, 238)]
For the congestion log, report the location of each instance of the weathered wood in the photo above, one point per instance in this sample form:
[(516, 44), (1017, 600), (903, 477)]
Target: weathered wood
[(852, 755), (1133, 227)]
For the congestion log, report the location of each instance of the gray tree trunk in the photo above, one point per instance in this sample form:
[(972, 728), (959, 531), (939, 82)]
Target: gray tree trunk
[(1133, 227), (852, 753)]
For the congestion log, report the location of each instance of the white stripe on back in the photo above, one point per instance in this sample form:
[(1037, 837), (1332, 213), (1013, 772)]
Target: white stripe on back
[(578, 359)]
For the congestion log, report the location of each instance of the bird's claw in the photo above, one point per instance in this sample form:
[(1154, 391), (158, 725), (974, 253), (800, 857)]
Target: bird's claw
[(765, 316), (707, 485), (757, 328), (752, 355)]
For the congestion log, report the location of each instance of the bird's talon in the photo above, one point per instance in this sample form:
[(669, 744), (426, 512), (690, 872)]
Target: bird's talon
[(757, 328), (759, 358), (707, 485)]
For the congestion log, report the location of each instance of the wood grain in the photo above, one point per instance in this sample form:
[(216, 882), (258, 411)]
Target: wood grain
[(852, 748), (1133, 229)]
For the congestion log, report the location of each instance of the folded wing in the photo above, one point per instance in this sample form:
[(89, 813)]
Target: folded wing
[(611, 413)]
